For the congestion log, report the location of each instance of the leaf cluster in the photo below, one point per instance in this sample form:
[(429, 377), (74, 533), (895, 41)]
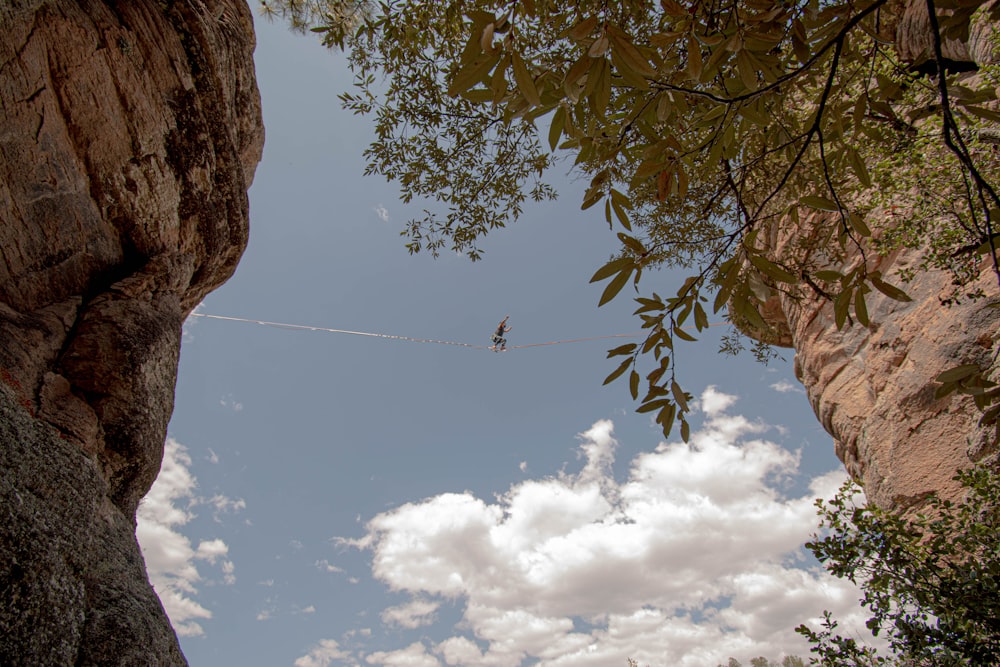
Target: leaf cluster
[(757, 144), (931, 578)]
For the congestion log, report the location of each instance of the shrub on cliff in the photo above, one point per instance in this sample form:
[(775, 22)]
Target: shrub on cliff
[(931, 579)]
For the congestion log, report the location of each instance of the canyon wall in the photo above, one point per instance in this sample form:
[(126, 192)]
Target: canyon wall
[(872, 387), (131, 131)]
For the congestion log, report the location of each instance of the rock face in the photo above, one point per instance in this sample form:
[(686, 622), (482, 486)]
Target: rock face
[(872, 387), (131, 130)]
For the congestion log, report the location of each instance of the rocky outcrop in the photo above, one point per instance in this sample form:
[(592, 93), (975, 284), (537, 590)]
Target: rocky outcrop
[(873, 387), (131, 130)]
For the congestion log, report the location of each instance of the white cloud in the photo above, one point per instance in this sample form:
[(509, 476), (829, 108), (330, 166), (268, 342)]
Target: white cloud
[(382, 212), (322, 654), (694, 558), (225, 505), (785, 387), (228, 401), (326, 566), (169, 555), (413, 614), (414, 655), (714, 402)]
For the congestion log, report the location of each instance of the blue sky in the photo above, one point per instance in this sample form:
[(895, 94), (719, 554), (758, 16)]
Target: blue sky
[(330, 499)]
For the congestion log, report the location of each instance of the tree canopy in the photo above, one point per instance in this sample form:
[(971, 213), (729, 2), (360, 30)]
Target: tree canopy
[(764, 146), (931, 579)]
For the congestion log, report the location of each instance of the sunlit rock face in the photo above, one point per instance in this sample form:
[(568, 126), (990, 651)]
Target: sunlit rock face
[(872, 387), (130, 134)]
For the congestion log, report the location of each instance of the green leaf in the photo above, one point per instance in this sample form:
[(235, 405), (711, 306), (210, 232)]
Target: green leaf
[(700, 317), (666, 418), (473, 72), (556, 127), (649, 406), (620, 210), (633, 385), (859, 168), (602, 89), (679, 397), (860, 309), (684, 335), (840, 307), (629, 54), (615, 374), (612, 267), (730, 275), (615, 286), (628, 348), (771, 269), (820, 203), (983, 112), (524, 81), (584, 28), (694, 63), (957, 373), (632, 243), (890, 291), (858, 224), (478, 95)]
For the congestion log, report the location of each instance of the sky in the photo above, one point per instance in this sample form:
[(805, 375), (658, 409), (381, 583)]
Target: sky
[(331, 499)]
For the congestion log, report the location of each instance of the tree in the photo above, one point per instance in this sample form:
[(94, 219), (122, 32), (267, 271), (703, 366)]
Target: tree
[(711, 133), (931, 579)]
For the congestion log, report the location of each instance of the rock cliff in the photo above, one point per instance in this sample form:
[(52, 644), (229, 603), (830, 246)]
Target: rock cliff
[(131, 131), (872, 387)]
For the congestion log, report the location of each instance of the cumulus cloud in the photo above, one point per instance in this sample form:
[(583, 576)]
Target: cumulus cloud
[(414, 655), (382, 212), (225, 505), (695, 557), (326, 566), (322, 654), (171, 560), (785, 387), (413, 614)]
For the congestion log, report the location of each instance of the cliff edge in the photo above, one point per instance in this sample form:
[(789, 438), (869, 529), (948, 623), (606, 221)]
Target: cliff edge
[(131, 131)]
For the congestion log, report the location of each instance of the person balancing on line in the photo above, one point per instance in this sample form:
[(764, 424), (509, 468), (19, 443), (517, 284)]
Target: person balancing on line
[(499, 342)]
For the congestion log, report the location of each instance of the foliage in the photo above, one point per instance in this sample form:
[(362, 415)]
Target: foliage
[(761, 661), (931, 579), (766, 146)]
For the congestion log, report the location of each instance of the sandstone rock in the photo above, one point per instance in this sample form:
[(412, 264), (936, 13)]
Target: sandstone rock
[(872, 387), (131, 131)]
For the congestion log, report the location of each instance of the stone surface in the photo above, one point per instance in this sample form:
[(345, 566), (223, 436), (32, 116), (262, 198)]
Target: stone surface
[(131, 130), (873, 387)]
